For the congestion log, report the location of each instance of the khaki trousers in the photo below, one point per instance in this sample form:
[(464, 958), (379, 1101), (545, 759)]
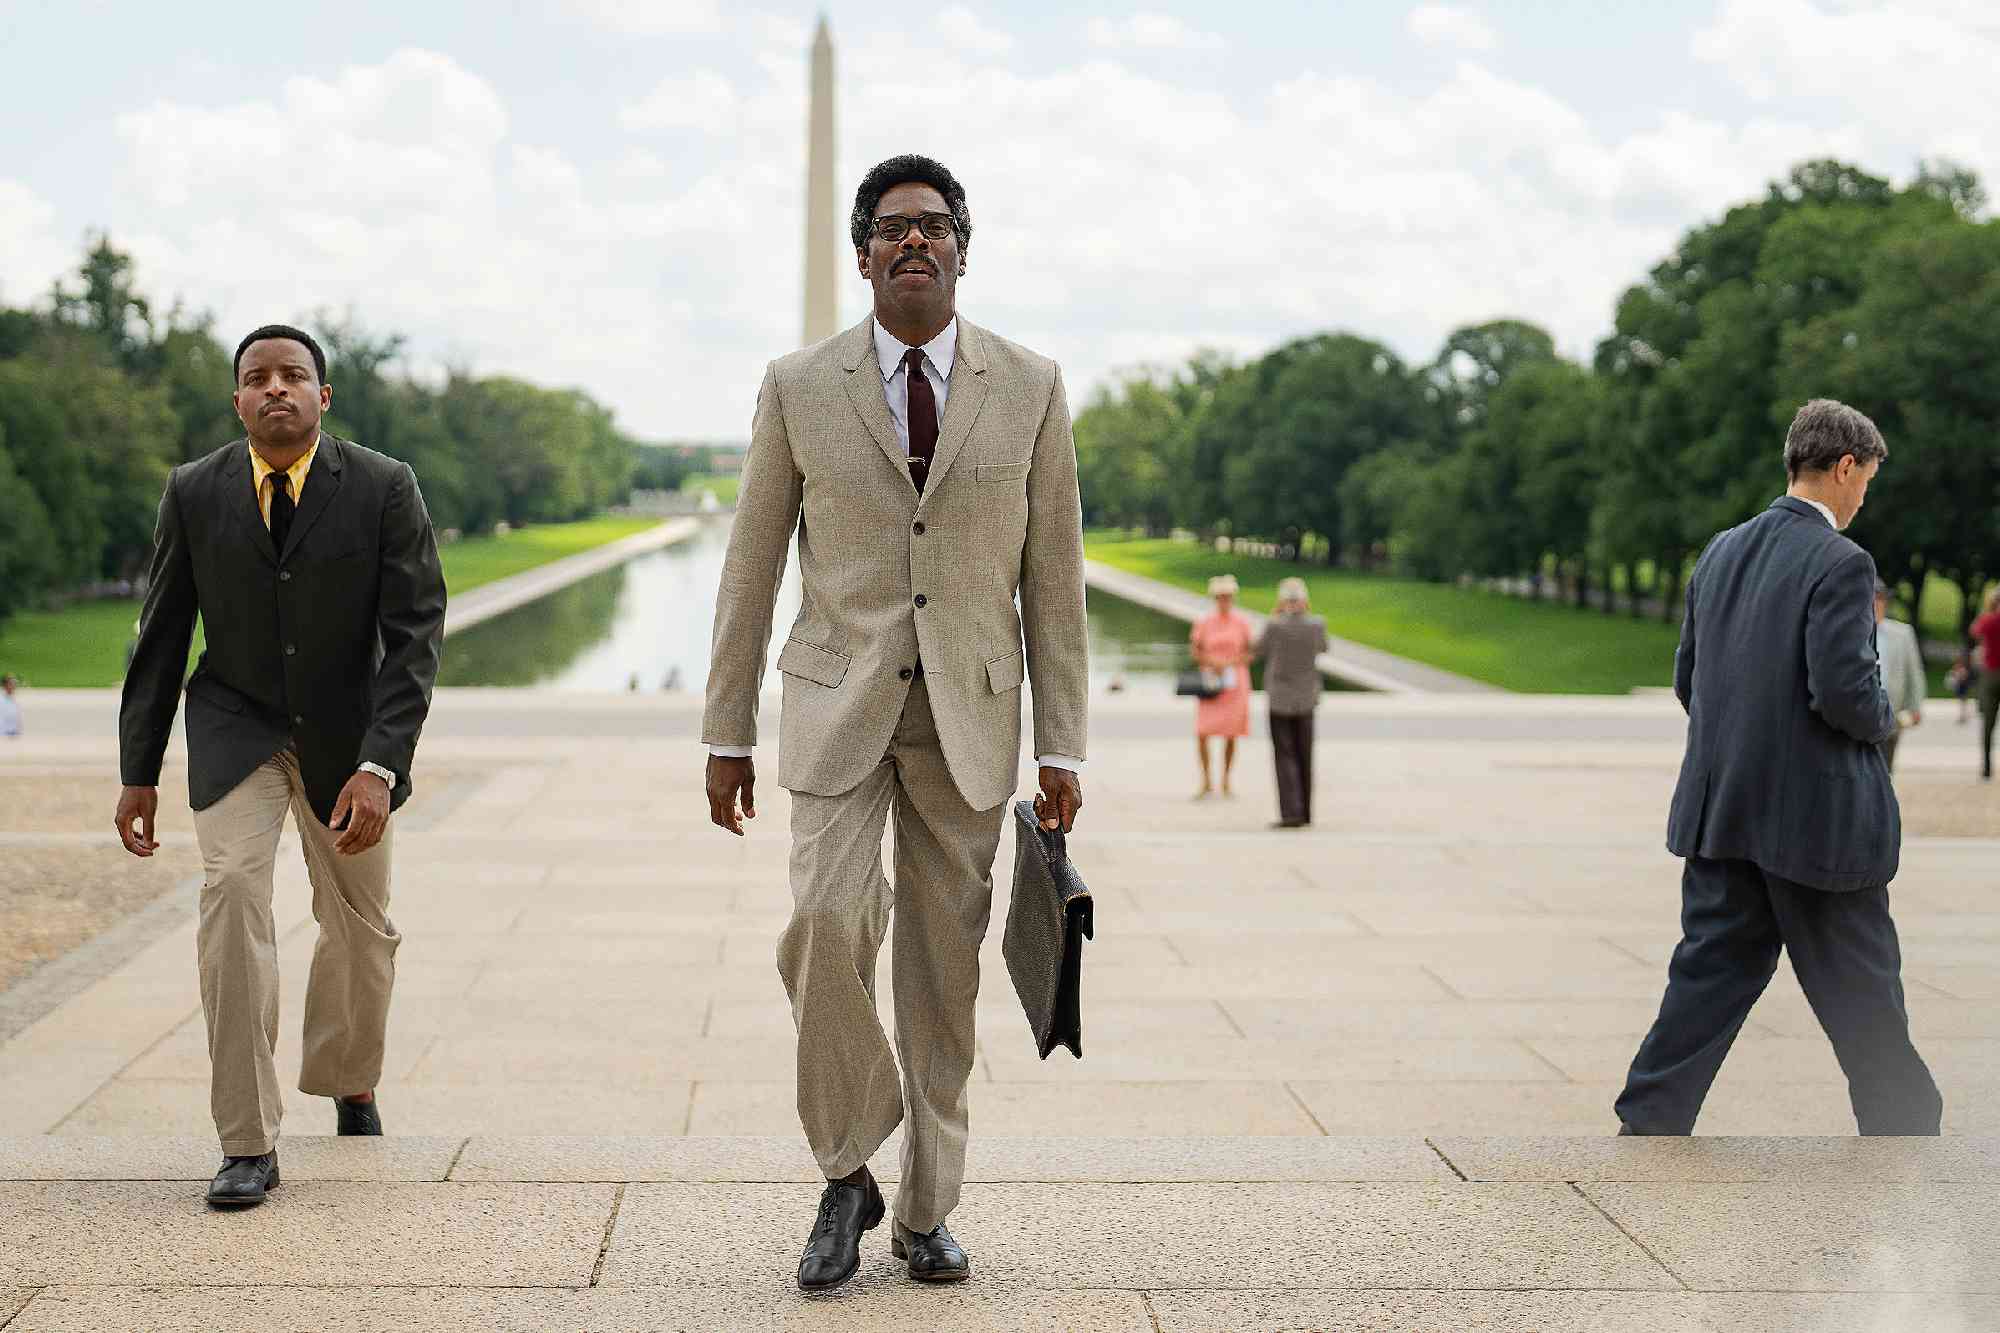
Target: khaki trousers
[(353, 968), (851, 1093)]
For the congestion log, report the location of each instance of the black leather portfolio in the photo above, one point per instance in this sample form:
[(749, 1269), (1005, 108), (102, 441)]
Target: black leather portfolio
[(1047, 923)]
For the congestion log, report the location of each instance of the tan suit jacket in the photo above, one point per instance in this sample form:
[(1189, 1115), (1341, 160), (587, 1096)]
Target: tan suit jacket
[(999, 516)]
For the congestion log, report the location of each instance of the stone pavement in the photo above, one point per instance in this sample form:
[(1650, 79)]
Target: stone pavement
[(1331, 1078)]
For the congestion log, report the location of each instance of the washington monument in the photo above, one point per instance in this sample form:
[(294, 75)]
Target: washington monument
[(822, 303)]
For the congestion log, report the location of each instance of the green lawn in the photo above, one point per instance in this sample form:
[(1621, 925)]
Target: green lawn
[(723, 484), (1938, 617), (1518, 645), (477, 560), (84, 645)]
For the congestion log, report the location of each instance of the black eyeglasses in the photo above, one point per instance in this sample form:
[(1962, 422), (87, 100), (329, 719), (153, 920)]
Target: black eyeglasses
[(893, 227)]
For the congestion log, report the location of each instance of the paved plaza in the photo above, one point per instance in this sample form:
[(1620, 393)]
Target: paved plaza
[(1353, 1078)]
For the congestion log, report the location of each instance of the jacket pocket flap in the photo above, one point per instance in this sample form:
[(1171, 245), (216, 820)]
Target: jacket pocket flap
[(1004, 471), (1004, 673), (809, 661)]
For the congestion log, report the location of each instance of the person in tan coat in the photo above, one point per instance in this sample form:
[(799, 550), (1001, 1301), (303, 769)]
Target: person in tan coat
[(926, 468)]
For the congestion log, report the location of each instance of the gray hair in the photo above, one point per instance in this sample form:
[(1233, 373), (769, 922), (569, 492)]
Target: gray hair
[(1824, 432)]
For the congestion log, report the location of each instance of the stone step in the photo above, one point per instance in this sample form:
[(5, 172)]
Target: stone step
[(1165, 1234)]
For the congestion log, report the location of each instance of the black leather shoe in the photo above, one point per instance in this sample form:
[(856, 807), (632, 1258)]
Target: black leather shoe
[(243, 1181), (833, 1251), (363, 1119), (934, 1257)]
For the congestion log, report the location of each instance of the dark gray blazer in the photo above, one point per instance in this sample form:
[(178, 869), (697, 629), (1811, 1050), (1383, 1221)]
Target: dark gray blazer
[(334, 644), (1290, 646), (1777, 671)]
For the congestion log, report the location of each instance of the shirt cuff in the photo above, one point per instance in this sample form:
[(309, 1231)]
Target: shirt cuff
[(1060, 761), (379, 772), (729, 751)]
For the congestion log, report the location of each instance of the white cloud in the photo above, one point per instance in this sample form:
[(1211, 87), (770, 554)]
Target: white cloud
[(965, 31), (1128, 209), (1160, 32), (652, 18), (34, 256), (699, 100), (1451, 25), (1905, 80)]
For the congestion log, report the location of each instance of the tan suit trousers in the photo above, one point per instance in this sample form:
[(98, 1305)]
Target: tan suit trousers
[(353, 968), (851, 1093)]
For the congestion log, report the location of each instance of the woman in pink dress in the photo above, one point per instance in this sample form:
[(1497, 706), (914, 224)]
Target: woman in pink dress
[(1221, 645)]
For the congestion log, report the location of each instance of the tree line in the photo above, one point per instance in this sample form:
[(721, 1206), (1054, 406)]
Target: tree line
[(101, 394), (1500, 457)]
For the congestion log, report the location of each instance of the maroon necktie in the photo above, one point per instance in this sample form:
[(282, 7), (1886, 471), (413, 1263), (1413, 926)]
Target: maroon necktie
[(923, 418)]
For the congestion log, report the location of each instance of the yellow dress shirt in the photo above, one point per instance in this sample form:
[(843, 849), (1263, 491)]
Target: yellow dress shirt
[(262, 472)]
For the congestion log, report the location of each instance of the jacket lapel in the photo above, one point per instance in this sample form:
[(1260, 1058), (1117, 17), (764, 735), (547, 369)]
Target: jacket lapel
[(962, 404), (239, 483), (317, 493), (871, 401)]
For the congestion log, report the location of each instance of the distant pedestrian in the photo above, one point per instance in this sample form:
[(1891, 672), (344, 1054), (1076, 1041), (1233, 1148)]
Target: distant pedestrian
[(1959, 681), (1986, 633), (1221, 643), (1902, 666), (1289, 647), (10, 707), (1784, 810)]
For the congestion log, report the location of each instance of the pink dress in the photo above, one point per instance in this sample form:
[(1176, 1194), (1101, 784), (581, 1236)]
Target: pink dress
[(1224, 639)]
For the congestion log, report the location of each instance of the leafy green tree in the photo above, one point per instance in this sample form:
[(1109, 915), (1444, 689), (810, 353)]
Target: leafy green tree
[(1126, 439), (1918, 352), (27, 540)]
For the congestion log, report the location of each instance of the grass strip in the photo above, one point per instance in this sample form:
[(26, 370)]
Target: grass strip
[(1532, 647)]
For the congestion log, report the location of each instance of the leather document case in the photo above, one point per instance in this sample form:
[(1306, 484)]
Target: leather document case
[(1047, 923)]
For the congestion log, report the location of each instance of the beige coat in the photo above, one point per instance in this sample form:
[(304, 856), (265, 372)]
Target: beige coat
[(1000, 516)]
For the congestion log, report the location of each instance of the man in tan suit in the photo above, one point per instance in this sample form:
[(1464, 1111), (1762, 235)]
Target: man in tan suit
[(927, 469)]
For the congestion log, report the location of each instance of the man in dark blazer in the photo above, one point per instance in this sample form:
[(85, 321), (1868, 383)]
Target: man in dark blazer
[(1784, 811), (312, 565)]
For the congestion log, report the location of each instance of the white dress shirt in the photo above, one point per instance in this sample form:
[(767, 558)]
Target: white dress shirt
[(939, 354), (1824, 512)]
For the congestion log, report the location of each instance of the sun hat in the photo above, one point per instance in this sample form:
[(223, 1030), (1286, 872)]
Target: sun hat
[(1222, 585)]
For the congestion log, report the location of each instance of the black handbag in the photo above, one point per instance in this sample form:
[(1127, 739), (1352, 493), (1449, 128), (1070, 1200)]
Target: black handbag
[(1198, 684), (1048, 920)]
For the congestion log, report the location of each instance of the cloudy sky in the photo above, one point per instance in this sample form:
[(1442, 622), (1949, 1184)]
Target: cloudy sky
[(609, 193)]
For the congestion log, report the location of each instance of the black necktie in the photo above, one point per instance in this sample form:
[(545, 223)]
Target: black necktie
[(282, 510), (922, 416)]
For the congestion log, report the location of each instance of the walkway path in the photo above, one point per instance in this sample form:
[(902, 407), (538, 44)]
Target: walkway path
[(1357, 664), (488, 600), (1329, 1082)]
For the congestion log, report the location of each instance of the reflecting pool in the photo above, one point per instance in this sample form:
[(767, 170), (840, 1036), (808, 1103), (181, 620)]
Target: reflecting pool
[(644, 625)]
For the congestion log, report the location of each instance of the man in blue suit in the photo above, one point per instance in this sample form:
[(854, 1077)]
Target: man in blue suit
[(1784, 811)]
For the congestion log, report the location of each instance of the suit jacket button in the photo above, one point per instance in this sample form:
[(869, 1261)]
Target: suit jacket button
[(298, 717), (905, 674), (291, 650), (920, 599), (918, 529), (284, 576)]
